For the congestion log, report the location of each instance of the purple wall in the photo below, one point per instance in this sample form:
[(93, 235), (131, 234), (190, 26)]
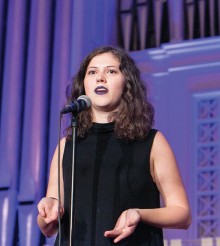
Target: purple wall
[(42, 44)]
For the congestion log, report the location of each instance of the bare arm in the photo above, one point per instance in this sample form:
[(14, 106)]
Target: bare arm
[(48, 206), (175, 213)]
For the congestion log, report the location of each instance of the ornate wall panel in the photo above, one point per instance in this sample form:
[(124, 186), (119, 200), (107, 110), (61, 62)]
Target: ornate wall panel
[(207, 163)]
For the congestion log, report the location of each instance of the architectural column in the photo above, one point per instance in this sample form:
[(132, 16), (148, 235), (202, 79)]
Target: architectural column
[(94, 23)]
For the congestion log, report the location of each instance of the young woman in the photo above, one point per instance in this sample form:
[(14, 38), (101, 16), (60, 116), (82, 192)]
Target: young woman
[(122, 164)]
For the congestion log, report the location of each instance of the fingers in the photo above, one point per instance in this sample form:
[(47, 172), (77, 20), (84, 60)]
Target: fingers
[(112, 233), (122, 236), (125, 225), (41, 210), (119, 234), (51, 217), (52, 213), (48, 209)]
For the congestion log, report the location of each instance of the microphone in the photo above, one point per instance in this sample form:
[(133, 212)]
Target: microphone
[(82, 103)]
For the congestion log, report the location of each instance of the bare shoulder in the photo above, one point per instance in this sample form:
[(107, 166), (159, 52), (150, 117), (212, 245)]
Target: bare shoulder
[(160, 144), (61, 145), (163, 161)]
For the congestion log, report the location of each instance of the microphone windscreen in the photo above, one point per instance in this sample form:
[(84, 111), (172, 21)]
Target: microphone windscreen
[(86, 99)]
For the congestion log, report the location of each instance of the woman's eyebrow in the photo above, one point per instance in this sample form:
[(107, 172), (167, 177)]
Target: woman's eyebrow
[(106, 66)]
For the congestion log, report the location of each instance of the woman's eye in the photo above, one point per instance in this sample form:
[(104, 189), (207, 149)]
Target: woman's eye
[(91, 72), (112, 71)]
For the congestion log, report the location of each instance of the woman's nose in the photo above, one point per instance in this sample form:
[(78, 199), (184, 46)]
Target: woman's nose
[(100, 78)]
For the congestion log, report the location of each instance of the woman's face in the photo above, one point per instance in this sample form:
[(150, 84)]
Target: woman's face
[(104, 83)]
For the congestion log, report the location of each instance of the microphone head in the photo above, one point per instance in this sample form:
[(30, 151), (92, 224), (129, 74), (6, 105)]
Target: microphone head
[(86, 99), (82, 103)]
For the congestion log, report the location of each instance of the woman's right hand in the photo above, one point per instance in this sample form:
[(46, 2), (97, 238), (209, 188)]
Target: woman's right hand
[(48, 210)]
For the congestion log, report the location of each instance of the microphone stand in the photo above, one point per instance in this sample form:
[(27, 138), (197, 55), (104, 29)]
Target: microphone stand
[(74, 125)]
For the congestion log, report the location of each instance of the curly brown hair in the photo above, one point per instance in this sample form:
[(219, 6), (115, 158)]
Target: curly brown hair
[(135, 114)]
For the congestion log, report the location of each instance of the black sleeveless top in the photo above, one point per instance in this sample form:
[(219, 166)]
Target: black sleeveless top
[(110, 177)]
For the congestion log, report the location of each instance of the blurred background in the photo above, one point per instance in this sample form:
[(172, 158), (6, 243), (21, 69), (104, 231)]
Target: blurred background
[(175, 43)]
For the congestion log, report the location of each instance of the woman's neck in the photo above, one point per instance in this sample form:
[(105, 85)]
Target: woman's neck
[(100, 117)]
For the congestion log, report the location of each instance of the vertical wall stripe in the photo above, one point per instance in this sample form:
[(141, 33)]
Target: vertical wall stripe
[(3, 17), (28, 235), (91, 27), (36, 100), (60, 69), (36, 103), (11, 110), (60, 78), (8, 207), (11, 114)]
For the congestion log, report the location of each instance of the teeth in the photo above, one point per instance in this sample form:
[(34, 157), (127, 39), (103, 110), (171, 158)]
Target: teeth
[(101, 89)]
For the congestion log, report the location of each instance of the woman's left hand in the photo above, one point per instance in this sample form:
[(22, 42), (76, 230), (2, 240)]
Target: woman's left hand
[(125, 226)]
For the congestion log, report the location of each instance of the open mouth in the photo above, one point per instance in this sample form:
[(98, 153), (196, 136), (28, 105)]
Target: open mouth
[(101, 90)]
